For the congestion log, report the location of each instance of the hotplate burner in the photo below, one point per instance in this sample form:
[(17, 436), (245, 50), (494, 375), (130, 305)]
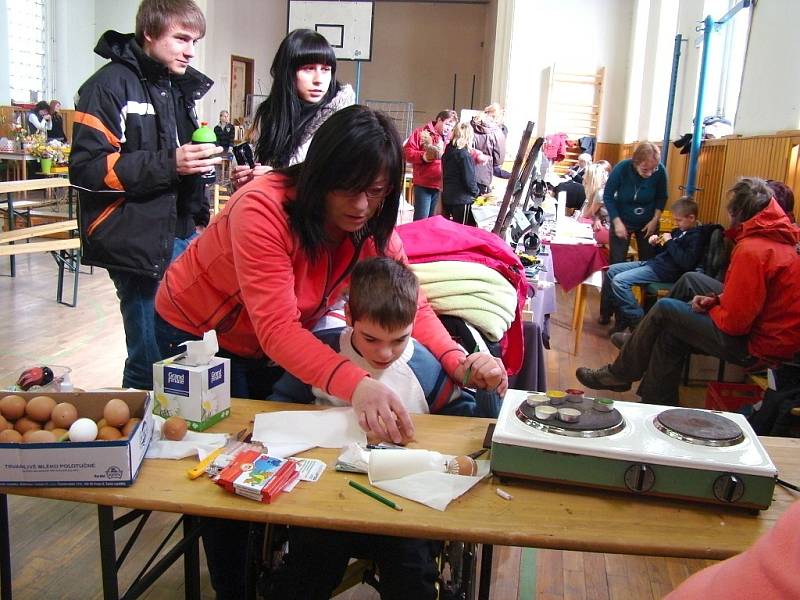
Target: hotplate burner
[(592, 423), (698, 427)]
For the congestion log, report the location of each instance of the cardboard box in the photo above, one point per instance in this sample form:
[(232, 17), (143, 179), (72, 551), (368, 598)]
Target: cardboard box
[(201, 395), (96, 463), (703, 367)]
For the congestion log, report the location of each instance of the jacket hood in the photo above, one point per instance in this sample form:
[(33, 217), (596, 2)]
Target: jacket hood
[(771, 223), (124, 49)]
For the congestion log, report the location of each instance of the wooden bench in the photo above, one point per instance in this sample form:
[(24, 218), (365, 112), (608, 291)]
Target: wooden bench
[(66, 252)]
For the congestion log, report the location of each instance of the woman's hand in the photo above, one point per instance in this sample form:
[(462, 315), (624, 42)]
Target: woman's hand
[(243, 174), (619, 229), (381, 413), (596, 225), (485, 372), (651, 227)]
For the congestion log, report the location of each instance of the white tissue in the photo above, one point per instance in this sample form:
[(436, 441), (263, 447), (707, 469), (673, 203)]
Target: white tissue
[(192, 444), (200, 352)]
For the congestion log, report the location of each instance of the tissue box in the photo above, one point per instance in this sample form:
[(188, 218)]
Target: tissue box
[(97, 463), (201, 395)]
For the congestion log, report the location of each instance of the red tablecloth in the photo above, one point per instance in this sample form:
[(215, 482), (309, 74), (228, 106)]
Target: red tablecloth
[(572, 263)]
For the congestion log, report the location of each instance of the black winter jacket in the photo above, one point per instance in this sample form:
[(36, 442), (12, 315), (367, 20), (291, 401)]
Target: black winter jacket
[(680, 255), (130, 117), (458, 176)]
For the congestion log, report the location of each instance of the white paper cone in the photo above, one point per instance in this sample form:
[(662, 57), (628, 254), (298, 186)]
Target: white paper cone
[(394, 464)]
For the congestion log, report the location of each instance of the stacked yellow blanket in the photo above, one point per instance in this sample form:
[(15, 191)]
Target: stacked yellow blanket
[(471, 291)]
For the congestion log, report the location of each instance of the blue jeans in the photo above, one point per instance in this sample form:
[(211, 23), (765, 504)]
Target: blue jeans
[(425, 200), (623, 276), (137, 294)]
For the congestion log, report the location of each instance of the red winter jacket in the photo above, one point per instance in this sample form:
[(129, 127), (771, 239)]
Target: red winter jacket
[(248, 278), (426, 174), (761, 297), (437, 238)]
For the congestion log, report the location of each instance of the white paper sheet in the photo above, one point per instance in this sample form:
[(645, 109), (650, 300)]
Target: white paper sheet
[(192, 444), (331, 428)]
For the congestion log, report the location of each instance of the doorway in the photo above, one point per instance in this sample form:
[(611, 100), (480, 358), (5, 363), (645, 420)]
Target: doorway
[(241, 86)]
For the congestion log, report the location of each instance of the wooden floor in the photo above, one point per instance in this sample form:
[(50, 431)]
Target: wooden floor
[(54, 544)]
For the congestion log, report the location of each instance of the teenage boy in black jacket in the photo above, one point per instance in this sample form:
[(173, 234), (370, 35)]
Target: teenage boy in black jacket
[(677, 252), (140, 201)]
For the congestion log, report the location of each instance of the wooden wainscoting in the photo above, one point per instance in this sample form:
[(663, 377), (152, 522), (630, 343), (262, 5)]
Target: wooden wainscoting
[(793, 174)]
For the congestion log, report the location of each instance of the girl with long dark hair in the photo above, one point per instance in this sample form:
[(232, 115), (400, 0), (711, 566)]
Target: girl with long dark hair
[(304, 94)]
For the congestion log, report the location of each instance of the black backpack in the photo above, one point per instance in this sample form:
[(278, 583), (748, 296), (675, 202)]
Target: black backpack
[(716, 252)]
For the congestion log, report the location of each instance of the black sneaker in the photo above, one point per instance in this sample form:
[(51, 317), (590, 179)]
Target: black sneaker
[(619, 338), (601, 379)]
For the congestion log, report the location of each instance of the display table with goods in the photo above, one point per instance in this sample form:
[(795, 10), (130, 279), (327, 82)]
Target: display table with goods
[(540, 514)]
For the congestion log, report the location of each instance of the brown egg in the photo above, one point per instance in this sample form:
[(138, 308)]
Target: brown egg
[(40, 408), (116, 413), (12, 407), (60, 433), (24, 424), (129, 426), (4, 424), (174, 429), (108, 433), (101, 423), (10, 436), (463, 465), (64, 415), (38, 436)]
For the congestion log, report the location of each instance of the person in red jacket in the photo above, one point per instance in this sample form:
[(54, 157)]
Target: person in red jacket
[(755, 319), (424, 150)]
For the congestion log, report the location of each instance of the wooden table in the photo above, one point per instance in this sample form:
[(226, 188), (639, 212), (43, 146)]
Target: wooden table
[(21, 157), (541, 515)]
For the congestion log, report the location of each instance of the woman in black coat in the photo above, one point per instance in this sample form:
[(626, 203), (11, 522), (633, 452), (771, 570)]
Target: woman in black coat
[(459, 186)]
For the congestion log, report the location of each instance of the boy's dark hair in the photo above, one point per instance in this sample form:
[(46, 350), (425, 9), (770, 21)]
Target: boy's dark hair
[(278, 119), (384, 291), (446, 114), (684, 207), (784, 196), (748, 197), (154, 17), (42, 105), (350, 150)]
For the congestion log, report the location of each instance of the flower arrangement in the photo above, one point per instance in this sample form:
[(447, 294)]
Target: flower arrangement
[(19, 132), (53, 150)]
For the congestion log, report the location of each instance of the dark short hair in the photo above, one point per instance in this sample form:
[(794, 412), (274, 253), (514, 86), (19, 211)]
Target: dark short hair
[(684, 207), (42, 105), (783, 195), (349, 151), (748, 197), (384, 291), (154, 17), (446, 114)]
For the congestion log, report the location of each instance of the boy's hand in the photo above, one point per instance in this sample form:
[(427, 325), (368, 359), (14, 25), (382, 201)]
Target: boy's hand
[(380, 412), (665, 237), (485, 372), (652, 240)]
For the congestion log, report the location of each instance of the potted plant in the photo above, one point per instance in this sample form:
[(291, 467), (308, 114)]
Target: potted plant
[(46, 153)]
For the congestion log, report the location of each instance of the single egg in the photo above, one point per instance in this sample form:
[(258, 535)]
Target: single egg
[(108, 433), (83, 430), (101, 423), (10, 436), (4, 424), (462, 465), (24, 424), (62, 435), (64, 415), (129, 427), (40, 408), (116, 413), (38, 436), (174, 429), (12, 407)]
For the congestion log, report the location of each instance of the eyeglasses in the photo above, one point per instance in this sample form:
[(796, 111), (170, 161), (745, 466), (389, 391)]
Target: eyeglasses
[(373, 193)]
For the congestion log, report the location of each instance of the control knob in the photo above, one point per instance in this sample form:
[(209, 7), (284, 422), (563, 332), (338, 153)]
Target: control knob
[(640, 478), (728, 488)]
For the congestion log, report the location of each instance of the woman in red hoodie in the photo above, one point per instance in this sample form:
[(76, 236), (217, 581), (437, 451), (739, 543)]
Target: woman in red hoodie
[(755, 318)]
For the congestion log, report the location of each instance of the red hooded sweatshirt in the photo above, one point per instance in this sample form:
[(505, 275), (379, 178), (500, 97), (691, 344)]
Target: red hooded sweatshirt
[(426, 174), (761, 296)]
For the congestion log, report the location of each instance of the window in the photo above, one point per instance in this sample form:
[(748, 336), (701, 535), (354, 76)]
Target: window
[(27, 50)]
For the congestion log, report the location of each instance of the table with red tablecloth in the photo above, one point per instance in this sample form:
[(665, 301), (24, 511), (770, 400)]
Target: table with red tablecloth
[(574, 263)]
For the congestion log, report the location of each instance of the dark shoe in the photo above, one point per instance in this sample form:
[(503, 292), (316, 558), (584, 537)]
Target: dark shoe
[(601, 379), (619, 338), (618, 327)]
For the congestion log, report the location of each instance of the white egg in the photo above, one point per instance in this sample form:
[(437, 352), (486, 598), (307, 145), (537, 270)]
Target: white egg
[(83, 430)]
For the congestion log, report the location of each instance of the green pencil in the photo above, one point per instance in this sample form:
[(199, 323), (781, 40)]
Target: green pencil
[(468, 374), (375, 495)]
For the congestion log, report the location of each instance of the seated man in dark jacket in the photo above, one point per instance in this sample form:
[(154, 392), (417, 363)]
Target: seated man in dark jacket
[(676, 253)]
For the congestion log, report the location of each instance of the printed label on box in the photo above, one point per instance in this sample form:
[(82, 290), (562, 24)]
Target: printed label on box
[(216, 376), (176, 381)]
